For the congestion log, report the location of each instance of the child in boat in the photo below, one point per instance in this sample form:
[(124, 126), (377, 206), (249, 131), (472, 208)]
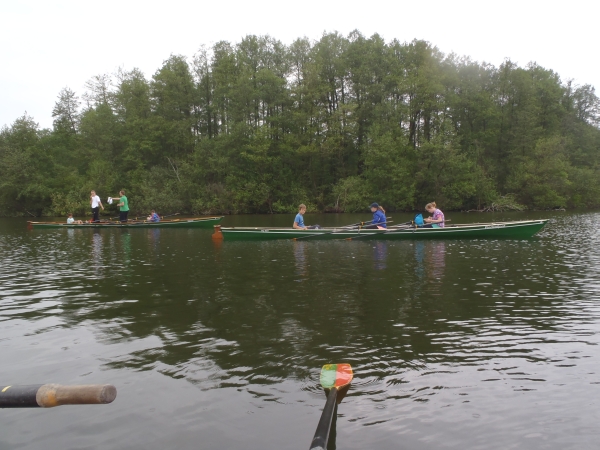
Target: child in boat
[(299, 220), (153, 217), (71, 220), (379, 219), (437, 218)]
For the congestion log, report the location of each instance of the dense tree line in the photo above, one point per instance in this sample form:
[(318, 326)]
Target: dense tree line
[(336, 124)]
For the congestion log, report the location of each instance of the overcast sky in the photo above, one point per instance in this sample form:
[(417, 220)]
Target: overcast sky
[(50, 44)]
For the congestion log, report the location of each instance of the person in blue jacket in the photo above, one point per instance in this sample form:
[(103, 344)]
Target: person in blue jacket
[(379, 218)]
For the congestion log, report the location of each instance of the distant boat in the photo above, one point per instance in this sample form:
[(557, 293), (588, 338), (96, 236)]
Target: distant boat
[(201, 222), (511, 230)]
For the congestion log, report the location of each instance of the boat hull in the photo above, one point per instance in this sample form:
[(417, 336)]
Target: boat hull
[(208, 222), (507, 230)]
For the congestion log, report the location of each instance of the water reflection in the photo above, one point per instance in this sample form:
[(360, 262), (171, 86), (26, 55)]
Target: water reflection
[(300, 248), (430, 257), (154, 240), (97, 251), (516, 324), (380, 253)]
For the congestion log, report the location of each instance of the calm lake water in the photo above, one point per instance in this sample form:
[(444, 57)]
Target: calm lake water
[(465, 344)]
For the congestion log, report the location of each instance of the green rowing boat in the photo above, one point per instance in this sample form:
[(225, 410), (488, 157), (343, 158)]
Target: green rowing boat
[(201, 222), (508, 230)]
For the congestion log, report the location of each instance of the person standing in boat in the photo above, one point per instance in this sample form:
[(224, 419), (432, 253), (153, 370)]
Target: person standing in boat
[(437, 216), (299, 220), (123, 206), (96, 204), (379, 219)]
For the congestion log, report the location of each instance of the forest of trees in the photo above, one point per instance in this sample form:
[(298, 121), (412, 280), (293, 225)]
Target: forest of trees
[(260, 127)]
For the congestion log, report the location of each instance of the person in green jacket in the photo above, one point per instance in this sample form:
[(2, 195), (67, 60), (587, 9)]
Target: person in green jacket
[(123, 206)]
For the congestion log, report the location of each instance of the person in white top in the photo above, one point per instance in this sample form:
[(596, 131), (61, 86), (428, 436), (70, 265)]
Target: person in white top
[(96, 204)]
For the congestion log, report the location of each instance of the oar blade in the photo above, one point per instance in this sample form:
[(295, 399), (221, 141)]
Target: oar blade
[(336, 375)]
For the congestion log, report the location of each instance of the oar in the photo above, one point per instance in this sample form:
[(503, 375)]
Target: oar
[(337, 230), (401, 225), (398, 227), (49, 395), (334, 378), (117, 217), (164, 217)]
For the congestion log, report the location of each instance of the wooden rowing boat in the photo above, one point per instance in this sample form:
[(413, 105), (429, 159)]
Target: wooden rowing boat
[(201, 222), (511, 230)]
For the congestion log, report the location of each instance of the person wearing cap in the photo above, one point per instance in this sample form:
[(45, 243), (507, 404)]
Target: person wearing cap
[(379, 218)]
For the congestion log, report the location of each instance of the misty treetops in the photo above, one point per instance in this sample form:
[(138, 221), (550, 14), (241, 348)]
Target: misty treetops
[(335, 124)]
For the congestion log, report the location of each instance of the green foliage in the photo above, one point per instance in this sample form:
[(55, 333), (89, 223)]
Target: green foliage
[(69, 202), (160, 190), (542, 179), (389, 173), (506, 202), (260, 127), (352, 194)]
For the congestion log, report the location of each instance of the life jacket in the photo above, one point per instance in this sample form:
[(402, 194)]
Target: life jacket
[(418, 220)]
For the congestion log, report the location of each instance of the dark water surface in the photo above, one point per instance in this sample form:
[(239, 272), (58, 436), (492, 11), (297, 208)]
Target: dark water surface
[(454, 344)]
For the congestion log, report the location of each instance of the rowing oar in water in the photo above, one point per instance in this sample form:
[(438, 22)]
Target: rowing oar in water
[(49, 395), (334, 378), (337, 230)]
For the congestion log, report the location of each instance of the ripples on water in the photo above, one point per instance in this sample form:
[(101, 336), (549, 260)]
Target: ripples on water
[(454, 344)]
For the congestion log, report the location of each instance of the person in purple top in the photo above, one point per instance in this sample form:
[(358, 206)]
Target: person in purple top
[(437, 216)]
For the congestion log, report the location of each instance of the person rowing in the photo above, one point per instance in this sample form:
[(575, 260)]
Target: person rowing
[(379, 219), (153, 217), (299, 220), (437, 216)]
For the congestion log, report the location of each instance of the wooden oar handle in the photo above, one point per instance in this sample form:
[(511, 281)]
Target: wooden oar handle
[(49, 395)]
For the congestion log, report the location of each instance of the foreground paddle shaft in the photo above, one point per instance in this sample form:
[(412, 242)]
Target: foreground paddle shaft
[(334, 377), (321, 436), (49, 395)]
